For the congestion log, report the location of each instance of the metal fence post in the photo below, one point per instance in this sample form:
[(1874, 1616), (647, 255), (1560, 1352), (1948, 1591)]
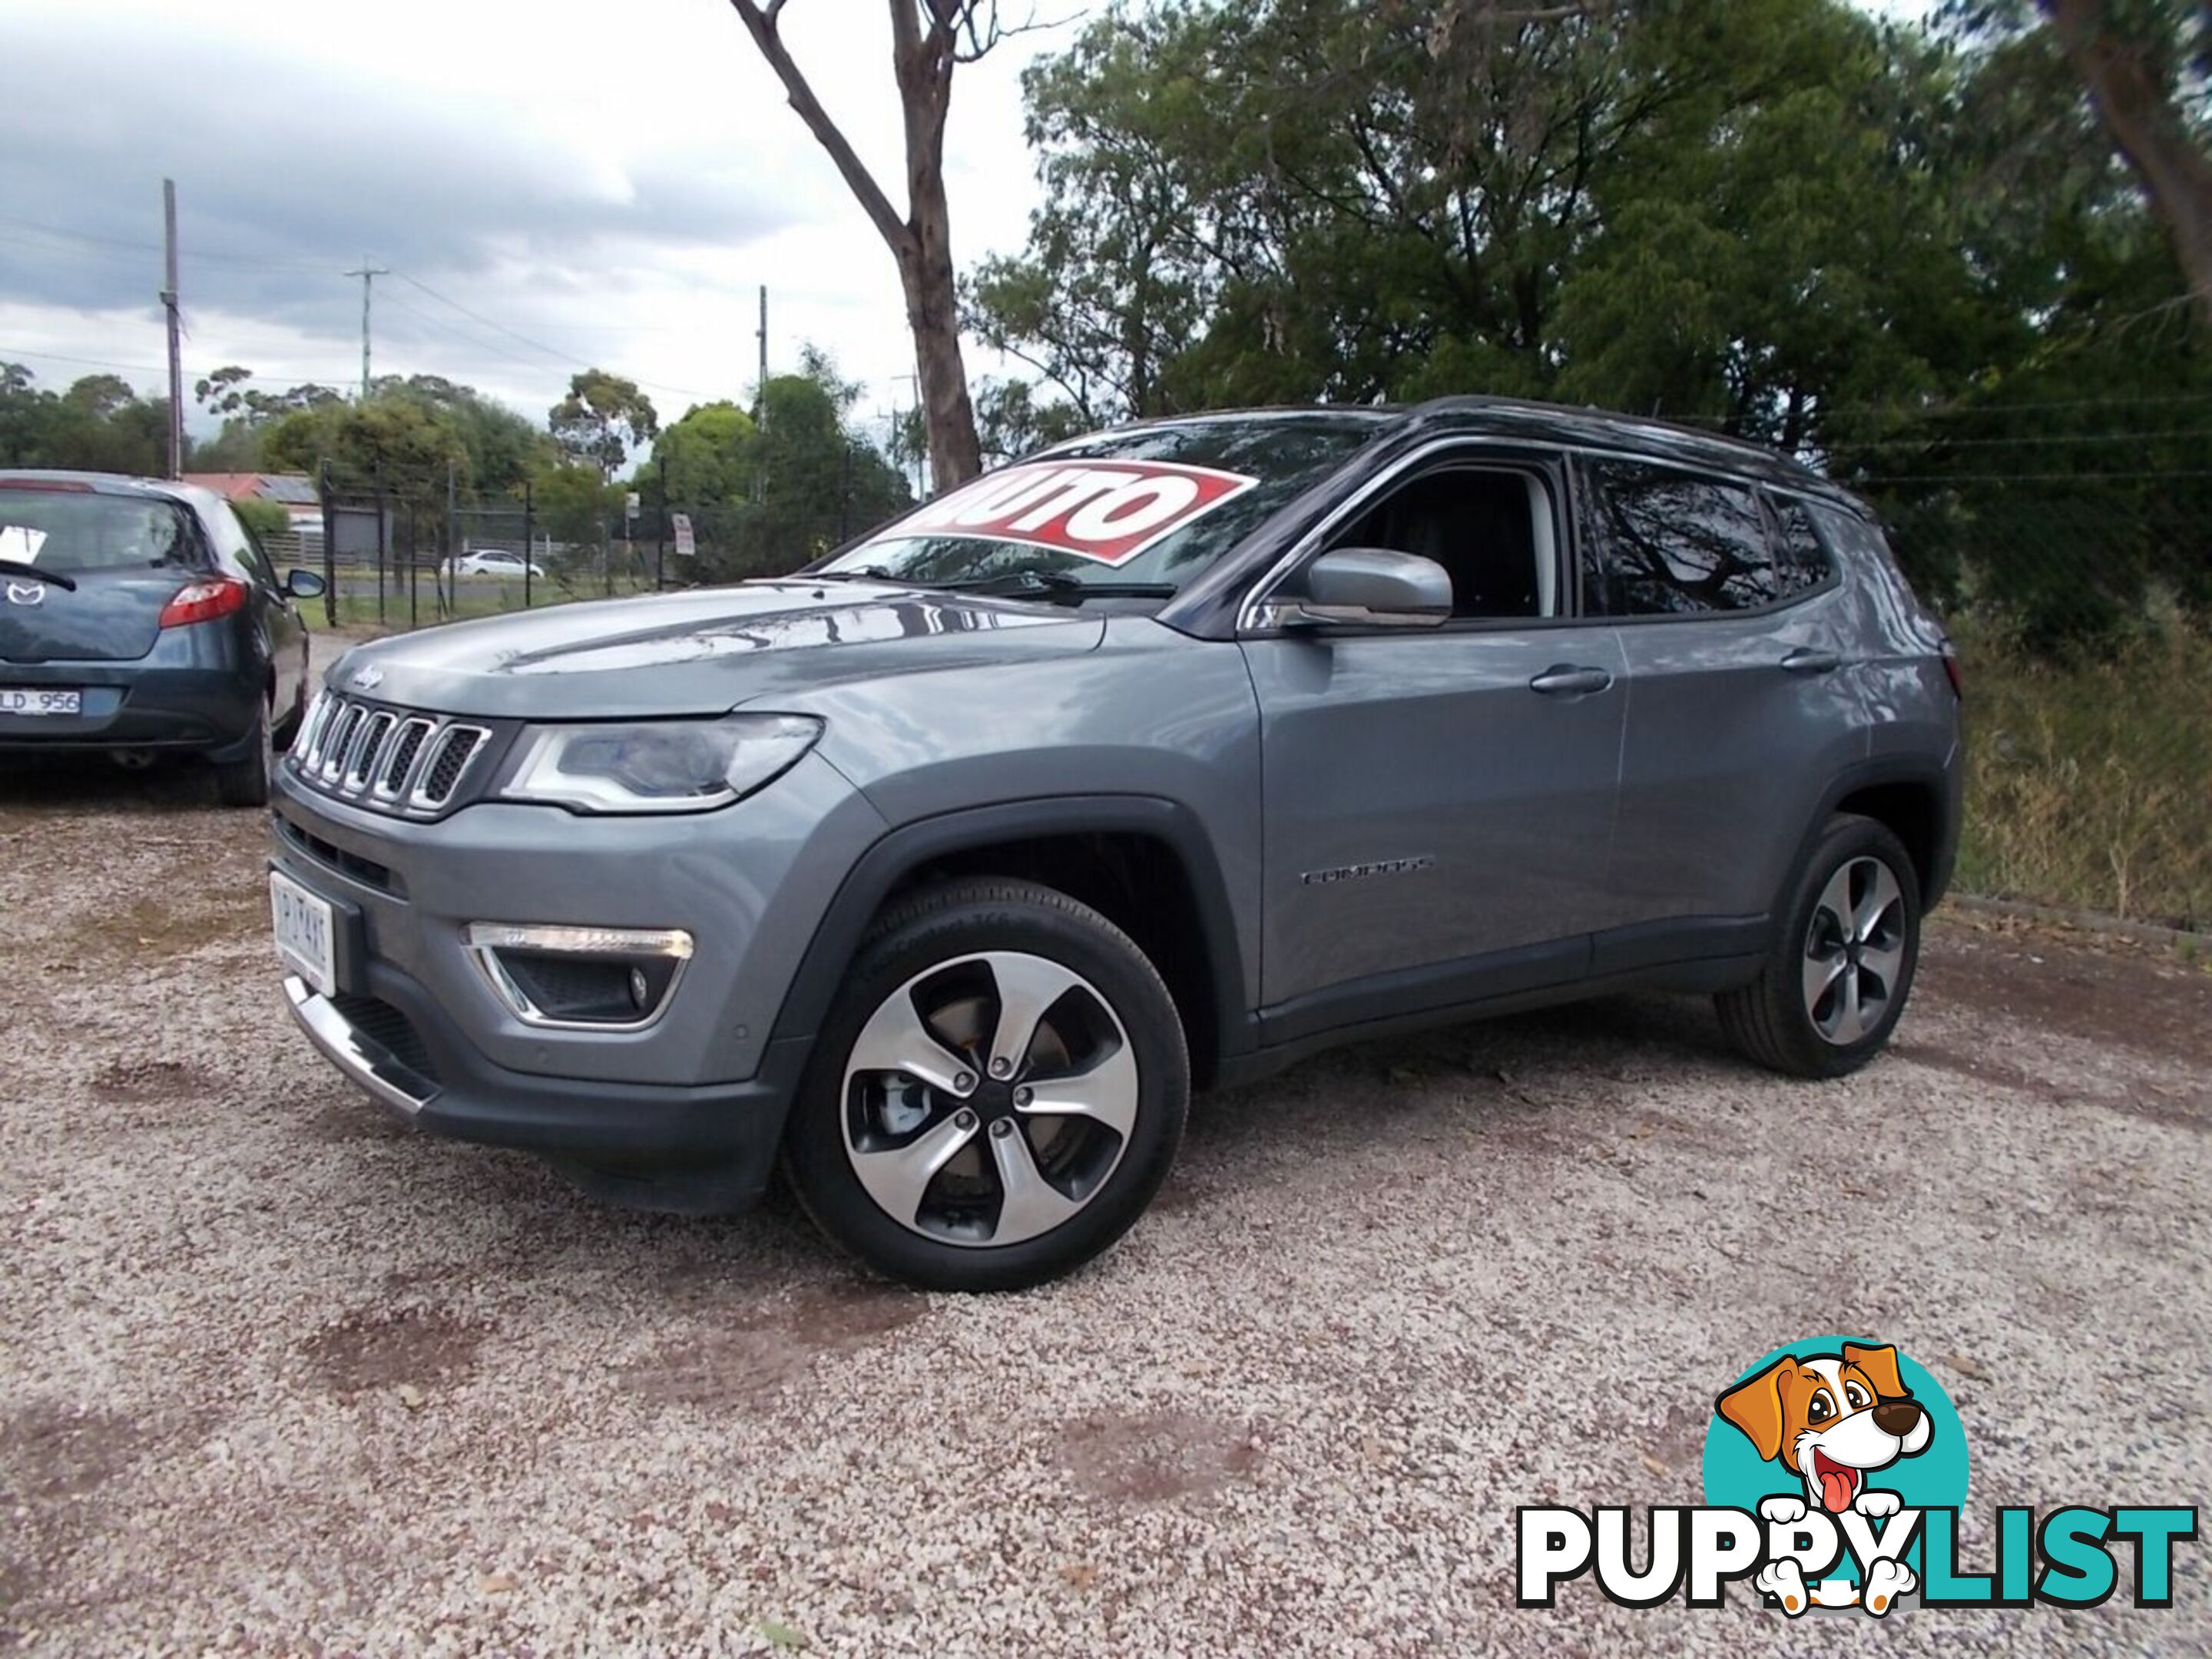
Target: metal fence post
[(529, 540), (447, 554), (413, 566), (330, 545), (383, 538)]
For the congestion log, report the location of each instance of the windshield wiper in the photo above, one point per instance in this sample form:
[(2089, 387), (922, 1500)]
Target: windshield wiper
[(1056, 585), (54, 576)]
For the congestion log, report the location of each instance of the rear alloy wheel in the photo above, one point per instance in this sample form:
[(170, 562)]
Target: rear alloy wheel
[(997, 1094), (245, 782), (1854, 952), (1836, 983)]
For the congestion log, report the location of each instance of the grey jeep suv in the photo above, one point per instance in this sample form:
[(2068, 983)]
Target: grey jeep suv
[(941, 871)]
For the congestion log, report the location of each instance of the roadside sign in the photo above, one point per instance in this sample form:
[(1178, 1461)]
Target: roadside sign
[(685, 545)]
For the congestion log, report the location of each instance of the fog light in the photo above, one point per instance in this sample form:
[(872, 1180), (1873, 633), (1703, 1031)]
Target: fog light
[(579, 978)]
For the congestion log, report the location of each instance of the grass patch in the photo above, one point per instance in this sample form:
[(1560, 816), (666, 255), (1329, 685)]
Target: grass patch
[(357, 612), (2089, 784)]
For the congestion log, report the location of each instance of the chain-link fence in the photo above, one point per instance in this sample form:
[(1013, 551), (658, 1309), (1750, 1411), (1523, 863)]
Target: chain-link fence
[(396, 558), (2081, 608)]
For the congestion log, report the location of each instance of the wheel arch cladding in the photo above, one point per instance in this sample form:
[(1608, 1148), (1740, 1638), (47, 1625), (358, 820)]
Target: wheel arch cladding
[(1911, 808), (1916, 801), (1144, 863)]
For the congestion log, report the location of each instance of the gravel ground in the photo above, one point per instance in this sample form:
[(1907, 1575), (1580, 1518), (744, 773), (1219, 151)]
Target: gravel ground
[(278, 1375)]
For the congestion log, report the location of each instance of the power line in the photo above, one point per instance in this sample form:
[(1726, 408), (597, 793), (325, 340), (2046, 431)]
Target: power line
[(474, 316), (564, 359), (86, 362), (1884, 480), (114, 255), (1901, 412), (139, 368), (1936, 441), (154, 250), (459, 333)]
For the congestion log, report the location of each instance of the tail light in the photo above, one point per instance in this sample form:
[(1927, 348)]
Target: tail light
[(197, 602), (1951, 671)]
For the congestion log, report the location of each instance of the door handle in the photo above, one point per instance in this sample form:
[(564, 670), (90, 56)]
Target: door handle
[(1806, 661), (1567, 680)]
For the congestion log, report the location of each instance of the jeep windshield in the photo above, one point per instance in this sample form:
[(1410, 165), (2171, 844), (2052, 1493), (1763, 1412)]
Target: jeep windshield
[(1139, 511)]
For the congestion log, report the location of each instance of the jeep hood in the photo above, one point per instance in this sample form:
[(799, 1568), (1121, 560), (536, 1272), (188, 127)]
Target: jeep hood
[(701, 651)]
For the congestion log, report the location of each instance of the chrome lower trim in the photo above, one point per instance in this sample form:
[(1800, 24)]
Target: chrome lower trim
[(369, 1064), (484, 941)]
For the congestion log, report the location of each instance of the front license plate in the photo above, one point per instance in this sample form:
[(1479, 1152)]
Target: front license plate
[(305, 931), (30, 700)]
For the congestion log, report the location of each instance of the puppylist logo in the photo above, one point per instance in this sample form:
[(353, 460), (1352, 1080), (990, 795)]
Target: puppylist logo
[(1835, 1470)]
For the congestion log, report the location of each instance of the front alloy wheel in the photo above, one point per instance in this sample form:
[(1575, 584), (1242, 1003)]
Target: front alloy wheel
[(997, 1094), (988, 1100)]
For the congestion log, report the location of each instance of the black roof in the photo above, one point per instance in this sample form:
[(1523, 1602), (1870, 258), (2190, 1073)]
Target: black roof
[(105, 484), (1561, 424), (1604, 429)]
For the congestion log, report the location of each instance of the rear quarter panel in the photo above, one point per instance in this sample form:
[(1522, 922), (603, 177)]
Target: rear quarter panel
[(1905, 698)]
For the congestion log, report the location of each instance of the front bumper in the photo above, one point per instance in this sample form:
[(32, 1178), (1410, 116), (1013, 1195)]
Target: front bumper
[(697, 1097), (706, 1150)]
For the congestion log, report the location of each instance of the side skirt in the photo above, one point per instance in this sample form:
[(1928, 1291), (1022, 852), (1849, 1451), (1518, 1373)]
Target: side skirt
[(1695, 956)]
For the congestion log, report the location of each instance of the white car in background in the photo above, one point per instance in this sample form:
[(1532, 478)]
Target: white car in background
[(492, 562)]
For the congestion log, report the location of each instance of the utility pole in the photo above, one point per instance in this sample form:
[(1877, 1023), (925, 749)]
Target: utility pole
[(760, 402), (921, 456), (169, 305), (761, 395), (369, 274)]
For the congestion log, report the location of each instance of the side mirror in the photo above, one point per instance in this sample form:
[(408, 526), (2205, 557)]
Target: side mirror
[(1374, 587), (303, 584)]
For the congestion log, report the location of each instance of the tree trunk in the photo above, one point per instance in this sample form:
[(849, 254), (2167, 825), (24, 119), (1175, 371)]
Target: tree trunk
[(924, 60), (2140, 115), (933, 314)]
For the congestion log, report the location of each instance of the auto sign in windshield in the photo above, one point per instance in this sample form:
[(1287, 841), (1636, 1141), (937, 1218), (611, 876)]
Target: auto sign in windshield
[(1150, 505)]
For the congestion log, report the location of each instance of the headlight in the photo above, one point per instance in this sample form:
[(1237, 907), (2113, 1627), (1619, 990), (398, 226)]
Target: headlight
[(658, 766)]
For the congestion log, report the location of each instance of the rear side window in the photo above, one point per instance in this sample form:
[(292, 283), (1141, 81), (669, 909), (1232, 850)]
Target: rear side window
[(1660, 542), (1801, 561), (236, 540), (82, 530)]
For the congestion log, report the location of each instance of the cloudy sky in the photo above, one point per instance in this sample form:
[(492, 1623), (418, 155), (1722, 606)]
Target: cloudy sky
[(552, 183)]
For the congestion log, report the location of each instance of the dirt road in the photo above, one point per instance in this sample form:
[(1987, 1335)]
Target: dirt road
[(277, 1375)]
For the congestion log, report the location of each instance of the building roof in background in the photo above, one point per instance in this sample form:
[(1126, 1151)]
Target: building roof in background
[(291, 489)]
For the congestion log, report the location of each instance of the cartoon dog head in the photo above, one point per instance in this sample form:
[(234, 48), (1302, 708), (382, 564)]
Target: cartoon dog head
[(1830, 1419)]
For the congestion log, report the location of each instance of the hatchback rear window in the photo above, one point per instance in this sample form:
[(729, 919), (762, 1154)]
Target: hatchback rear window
[(76, 531)]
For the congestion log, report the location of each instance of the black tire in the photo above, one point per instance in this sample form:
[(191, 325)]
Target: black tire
[(1778, 1020), (928, 935), (245, 782)]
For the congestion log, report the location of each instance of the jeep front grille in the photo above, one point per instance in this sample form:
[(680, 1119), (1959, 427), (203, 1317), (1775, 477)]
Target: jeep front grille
[(390, 759)]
